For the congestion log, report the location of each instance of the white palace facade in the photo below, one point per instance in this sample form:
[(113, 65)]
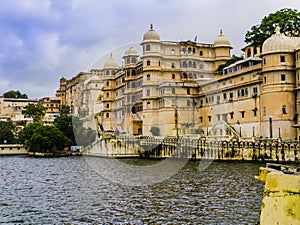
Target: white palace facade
[(174, 86)]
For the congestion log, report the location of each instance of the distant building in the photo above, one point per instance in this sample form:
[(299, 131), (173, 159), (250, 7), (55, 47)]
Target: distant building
[(53, 108), (11, 110), (173, 85)]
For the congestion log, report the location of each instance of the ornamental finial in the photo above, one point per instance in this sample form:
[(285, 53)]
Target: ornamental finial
[(151, 26)]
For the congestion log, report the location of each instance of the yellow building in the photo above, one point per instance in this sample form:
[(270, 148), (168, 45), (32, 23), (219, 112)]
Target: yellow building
[(173, 86)]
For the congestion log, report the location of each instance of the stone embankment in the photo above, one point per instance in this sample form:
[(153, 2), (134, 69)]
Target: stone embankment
[(281, 197)]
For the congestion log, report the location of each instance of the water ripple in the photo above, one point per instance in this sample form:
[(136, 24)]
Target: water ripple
[(68, 191)]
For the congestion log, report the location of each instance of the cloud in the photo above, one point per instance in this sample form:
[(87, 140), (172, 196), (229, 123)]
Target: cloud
[(40, 41)]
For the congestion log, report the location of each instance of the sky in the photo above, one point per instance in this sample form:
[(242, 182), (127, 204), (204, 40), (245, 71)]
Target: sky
[(43, 40)]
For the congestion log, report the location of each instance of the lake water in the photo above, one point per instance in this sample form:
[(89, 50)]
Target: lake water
[(69, 191)]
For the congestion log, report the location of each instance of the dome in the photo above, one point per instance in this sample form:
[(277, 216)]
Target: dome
[(278, 42), (151, 35), (111, 63), (221, 41), (131, 51)]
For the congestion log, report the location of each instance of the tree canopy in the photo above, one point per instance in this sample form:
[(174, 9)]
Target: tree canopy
[(64, 124), (287, 19), (233, 59), (14, 94), (35, 111), (40, 138), (7, 133)]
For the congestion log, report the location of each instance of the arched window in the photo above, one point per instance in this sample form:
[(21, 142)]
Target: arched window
[(189, 50), (184, 75), (284, 109), (148, 62), (194, 64), (148, 92), (107, 72), (133, 73), (201, 67), (148, 76), (148, 48), (173, 76), (184, 64), (183, 50), (172, 51), (190, 64)]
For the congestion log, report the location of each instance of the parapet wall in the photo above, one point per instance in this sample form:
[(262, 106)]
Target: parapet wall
[(13, 149)]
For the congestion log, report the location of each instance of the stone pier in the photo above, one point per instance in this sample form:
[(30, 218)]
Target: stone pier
[(281, 198)]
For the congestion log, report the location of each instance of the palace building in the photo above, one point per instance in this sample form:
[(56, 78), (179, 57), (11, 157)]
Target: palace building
[(173, 87)]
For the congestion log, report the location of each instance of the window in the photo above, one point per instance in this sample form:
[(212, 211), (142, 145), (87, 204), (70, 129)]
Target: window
[(231, 95), (173, 76), (231, 115), (107, 115), (107, 83), (173, 90), (265, 79), (148, 62), (265, 61), (201, 119), (242, 92), (201, 67), (224, 96), (148, 48), (107, 72), (265, 111), (246, 91), (158, 63), (188, 103), (107, 94), (184, 64), (243, 114), (172, 51), (239, 93), (282, 58), (209, 118), (201, 53), (190, 64), (188, 91), (219, 117), (255, 90), (255, 112), (173, 65), (194, 64), (284, 110), (148, 76), (107, 105), (148, 92), (282, 77)]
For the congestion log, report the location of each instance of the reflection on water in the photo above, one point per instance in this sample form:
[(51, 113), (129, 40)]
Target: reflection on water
[(68, 191)]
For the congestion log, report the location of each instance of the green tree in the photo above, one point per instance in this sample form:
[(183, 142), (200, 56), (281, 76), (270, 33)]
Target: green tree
[(14, 94), (64, 124), (64, 110), (7, 132), (155, 131), (233, 59), (84, 136), (287, 19), (35, 111), (40, 138)]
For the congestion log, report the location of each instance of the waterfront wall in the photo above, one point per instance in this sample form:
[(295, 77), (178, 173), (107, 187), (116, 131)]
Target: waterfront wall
[(280, 204), (197, 148), (13, 149)]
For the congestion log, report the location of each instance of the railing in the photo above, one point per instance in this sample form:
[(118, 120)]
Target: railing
[(202, 148)]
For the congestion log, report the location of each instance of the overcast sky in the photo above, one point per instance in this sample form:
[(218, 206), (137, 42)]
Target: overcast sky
[(43, 40)]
